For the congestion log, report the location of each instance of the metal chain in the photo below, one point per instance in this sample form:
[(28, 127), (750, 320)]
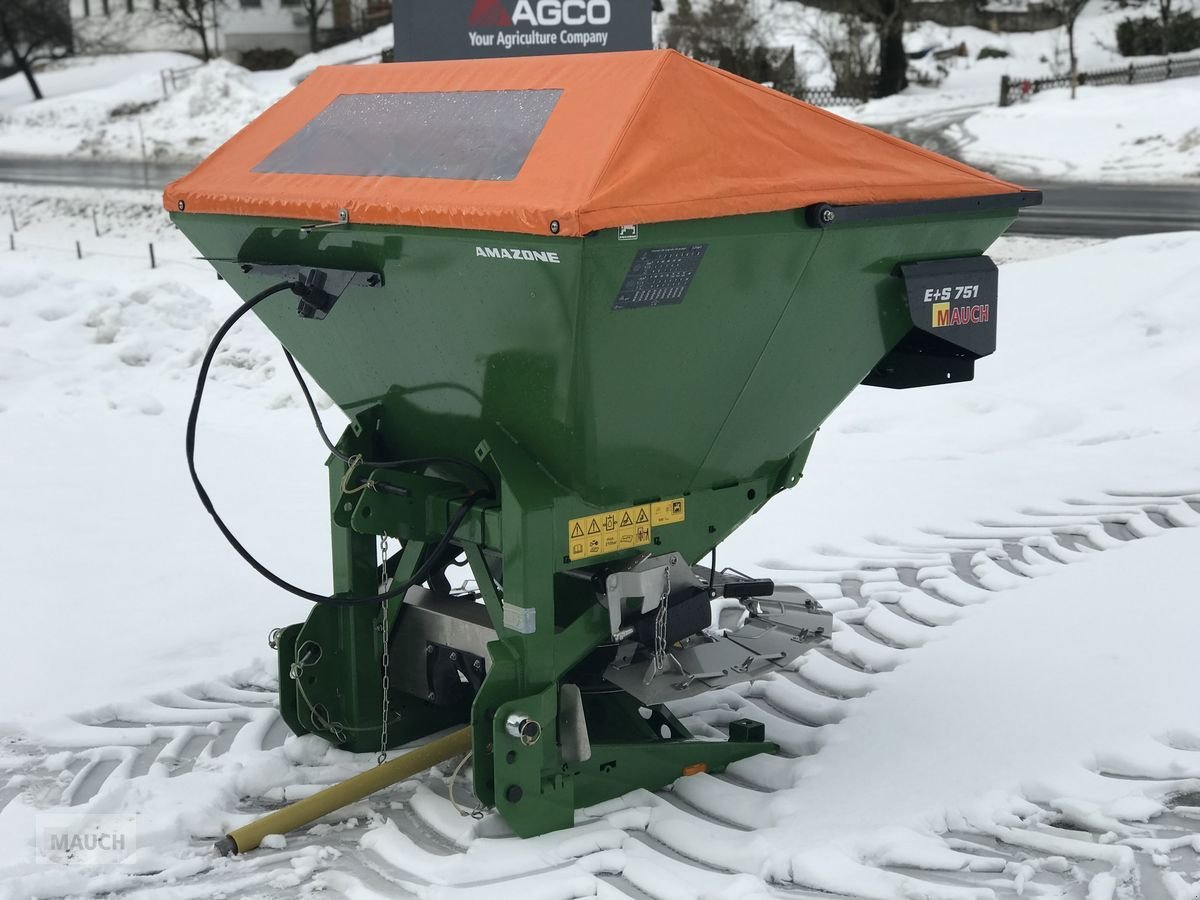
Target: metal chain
[(660, 624), (386, 656)]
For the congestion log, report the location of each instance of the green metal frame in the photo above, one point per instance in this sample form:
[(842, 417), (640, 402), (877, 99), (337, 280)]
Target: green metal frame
[(343, 685)]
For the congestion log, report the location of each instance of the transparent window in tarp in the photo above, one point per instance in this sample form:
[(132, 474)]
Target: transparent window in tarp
[(470, 135)]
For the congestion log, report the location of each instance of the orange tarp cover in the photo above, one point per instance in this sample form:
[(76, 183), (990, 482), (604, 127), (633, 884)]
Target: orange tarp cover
[(634, 138)]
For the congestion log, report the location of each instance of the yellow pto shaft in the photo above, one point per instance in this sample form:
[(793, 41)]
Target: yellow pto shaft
[(334, 797)]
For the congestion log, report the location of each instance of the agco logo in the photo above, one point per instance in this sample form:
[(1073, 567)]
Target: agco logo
[(494, 13)]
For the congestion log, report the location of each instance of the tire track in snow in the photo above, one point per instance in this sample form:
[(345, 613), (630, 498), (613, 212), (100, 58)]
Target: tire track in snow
[(886, 606)]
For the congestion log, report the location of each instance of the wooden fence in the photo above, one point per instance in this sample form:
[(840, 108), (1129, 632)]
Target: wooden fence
[(1013, 90)]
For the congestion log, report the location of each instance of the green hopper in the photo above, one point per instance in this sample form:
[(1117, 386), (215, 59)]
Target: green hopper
[(585, 315)]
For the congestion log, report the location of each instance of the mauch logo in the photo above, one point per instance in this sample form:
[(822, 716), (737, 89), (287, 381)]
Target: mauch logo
[(495, 14), (84, 838), (529, 255), (945, 316)]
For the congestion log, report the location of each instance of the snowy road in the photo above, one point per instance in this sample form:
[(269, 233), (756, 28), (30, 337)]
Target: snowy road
[(1110, 210), (1068, 209), (109, 173)]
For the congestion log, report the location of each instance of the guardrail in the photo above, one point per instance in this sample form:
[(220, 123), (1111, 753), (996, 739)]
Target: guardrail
[(1013, 90), (826, 97)]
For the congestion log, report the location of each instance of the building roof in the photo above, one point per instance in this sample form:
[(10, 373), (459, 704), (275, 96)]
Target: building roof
[(589, 141)]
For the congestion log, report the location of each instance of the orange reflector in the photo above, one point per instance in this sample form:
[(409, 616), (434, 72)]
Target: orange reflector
[(695, 769)]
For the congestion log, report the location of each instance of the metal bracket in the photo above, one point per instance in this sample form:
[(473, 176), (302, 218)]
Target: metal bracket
[(318, 288), (645, 580), (823, 215), (342, 219), (620, 586)]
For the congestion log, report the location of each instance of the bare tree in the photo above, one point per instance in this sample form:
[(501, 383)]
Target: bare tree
[(1068, 13), (851, 47), (313, 10), (198, 17), (33, 31), (727, 34), (888, 17), (724, 31), (1165, 11)]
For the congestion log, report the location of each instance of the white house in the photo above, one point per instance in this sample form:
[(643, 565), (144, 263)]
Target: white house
[(237, 25), (270, 25)]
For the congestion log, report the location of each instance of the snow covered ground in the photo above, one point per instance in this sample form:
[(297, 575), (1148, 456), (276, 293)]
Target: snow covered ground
[(1141, 134), (88, 73), (112, 118), (1144, 134), (962, 79), (1007, 704)]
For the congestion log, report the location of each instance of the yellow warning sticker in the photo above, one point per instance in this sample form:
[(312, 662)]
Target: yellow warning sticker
[(667, 512), (619, 529)]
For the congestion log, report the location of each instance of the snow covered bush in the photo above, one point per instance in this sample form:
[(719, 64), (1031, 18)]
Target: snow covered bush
[(1146, 36)]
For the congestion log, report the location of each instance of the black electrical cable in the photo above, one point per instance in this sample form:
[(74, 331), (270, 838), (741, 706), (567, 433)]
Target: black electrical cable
[(422, 572)]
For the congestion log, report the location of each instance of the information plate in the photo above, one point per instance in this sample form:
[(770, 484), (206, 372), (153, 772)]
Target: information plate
[(659, 276)]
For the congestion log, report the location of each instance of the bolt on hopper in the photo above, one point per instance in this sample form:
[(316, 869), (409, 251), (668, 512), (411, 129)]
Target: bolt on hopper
[(585, 314)]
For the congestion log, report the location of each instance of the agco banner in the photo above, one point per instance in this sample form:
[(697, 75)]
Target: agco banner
[(465, 29)]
